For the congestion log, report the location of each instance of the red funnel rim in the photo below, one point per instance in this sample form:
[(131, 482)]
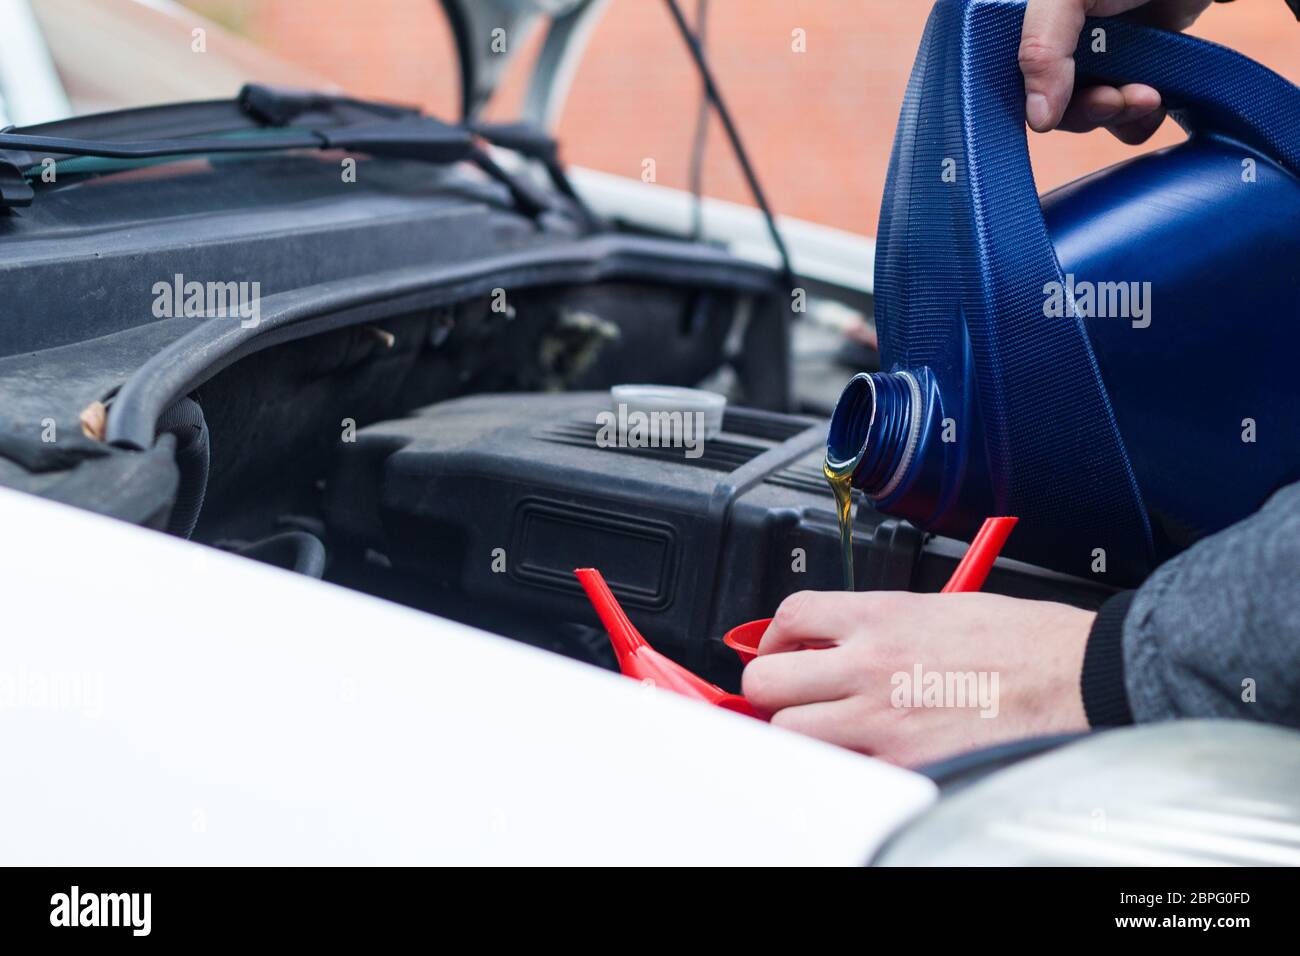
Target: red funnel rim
[(745, 638)]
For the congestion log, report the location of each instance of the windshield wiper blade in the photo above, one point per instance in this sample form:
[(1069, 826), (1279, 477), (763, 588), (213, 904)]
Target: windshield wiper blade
[(406, 135), (280, 105), (409, 136), (153, 148)]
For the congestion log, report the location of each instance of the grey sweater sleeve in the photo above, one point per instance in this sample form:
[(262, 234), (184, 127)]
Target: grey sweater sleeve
[(1215, 632)]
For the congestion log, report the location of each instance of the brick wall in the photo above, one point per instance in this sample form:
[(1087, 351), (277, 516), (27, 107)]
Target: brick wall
[(818, 124)]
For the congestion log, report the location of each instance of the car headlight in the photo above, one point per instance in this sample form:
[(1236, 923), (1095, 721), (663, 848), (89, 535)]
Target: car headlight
[(1186, 793)]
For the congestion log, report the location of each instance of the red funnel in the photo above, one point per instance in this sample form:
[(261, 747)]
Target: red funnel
[(744, 639), (640, 661)]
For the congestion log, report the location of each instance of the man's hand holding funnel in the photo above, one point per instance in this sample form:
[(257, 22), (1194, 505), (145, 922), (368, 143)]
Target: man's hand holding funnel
[(912, 678)]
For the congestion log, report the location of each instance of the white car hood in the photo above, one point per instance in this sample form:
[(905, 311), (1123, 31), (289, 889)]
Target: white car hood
[(166, 703)]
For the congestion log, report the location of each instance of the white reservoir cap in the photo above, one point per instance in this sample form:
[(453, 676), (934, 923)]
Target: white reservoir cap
[(648, 399)]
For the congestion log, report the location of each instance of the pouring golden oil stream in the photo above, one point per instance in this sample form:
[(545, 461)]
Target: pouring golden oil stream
[(840, 476)]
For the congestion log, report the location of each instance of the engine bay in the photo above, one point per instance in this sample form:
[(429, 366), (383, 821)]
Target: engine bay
[(477, 503), (410, 406)]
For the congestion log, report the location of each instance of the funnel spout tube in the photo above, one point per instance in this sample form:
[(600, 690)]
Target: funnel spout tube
[(625, 638)]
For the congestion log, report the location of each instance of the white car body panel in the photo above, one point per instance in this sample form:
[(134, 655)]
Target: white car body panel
[(818, 253), (166, 703)]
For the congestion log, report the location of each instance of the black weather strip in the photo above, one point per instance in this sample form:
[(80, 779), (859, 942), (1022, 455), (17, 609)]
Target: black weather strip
[(218, 343)]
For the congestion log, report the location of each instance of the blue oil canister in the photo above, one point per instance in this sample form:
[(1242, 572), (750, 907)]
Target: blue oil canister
[(1114, 363)]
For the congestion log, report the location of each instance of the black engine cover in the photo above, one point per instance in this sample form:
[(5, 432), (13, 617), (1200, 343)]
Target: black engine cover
[(500, 497)]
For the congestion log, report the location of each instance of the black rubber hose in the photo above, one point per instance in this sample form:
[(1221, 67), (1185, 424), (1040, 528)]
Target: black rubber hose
[(291, 550), (733, 135), (184, 420)]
